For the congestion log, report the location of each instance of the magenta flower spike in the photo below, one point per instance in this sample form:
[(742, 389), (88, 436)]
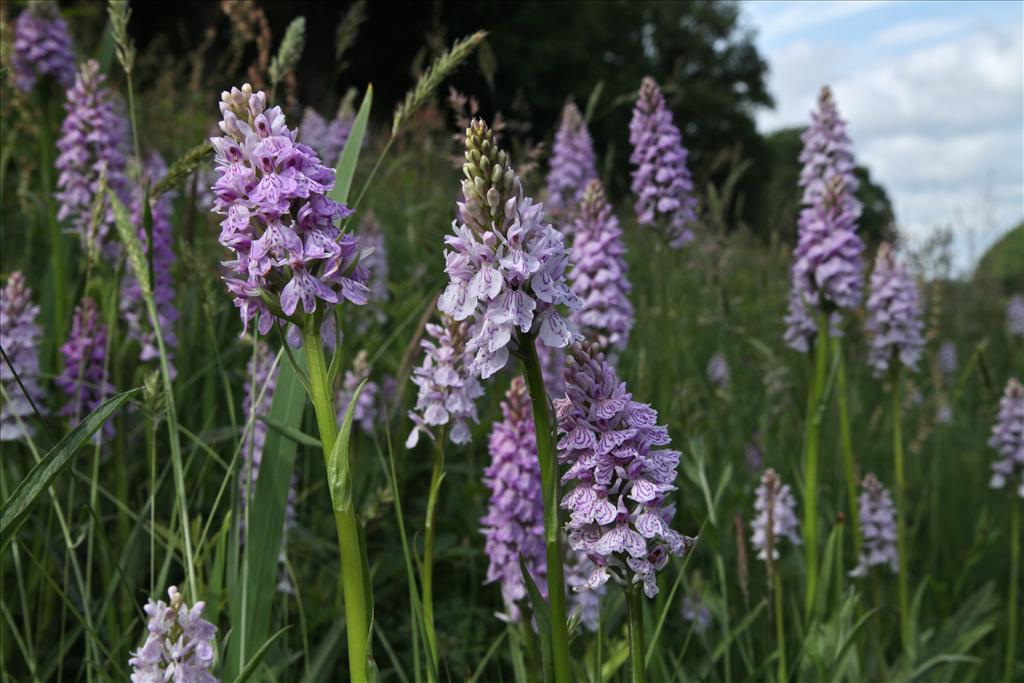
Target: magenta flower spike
[(367, 409), (775, 517), (827, 269), (618, 482), (84, 379), (133, 309), (1008, 439), (662, 186), (328, 138), (278, 219), (573, 164), (19, 337), (42, 47), (513, 527), (1015, 315), (448, 390), (514, 524), (877, 528), (93, 141), (600, 274), (894, 316)]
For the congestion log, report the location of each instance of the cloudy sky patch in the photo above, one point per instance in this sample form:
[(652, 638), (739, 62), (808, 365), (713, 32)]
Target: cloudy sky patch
[(933, 92)]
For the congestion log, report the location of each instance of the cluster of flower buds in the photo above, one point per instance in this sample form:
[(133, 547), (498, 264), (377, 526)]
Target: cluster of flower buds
[(507, 267)]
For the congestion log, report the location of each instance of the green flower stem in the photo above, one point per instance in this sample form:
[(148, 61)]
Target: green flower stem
[(813, 438), (427, 569), (353, 581), (780, 626), (57, 264), (901, 509), (1015, 579), (846, 439), (637, 651), (552, 530)]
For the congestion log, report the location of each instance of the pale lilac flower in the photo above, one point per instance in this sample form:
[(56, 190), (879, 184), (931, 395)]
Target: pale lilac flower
[(586, 604), (93, 141), (1008, 438), (42, 47), (367, 407), (84, 379), (827, 155), (599, 276), (894, 316), (661, 181), (327, 138), (947, 358), (371, 243), (278, 219), (19, 338), (696, 613), (179, 643), (718, 370), (619, 482), (755, 461), (506, 265), (775, 518), (448, 390), (877, 528), (514, 524), (1015, 315), (944, 412), (573, 164), (131, 304), (827, 266)]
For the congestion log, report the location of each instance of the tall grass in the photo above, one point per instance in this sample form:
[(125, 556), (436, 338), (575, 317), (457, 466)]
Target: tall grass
[(96, 535)]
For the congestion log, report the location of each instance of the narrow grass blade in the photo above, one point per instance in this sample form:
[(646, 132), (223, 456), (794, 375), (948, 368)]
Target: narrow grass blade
[(253, 664), (250, 605), (17, 507), (349, 158)]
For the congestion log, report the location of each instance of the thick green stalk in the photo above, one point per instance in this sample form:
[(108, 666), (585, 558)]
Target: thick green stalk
[(552, 530), (353, 581), (427, 570), (780, 626), (1011, 626), (814, 417), (637, 651), (846, 439), (901, 511)]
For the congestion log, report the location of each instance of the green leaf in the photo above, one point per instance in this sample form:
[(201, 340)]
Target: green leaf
[(253, 664), (28, 492), (349, 158), (215, 587), (543, 616), (293, 433), (595, 97), (250, 604), (339, 475)]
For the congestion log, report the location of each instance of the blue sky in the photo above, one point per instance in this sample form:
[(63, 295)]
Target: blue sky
[(934, 95)]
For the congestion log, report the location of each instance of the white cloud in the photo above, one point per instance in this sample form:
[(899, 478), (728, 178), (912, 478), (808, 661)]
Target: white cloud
[(913, 32), (776, 20)]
